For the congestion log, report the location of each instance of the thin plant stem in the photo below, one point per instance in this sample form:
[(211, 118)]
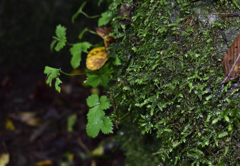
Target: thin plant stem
[(123, 116), (93, 32), (90, 16), (227, 14), (71, 74), (69, 44)]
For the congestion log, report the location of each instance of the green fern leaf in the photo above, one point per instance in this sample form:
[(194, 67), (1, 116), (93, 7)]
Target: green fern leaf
[(53, 73), (97, 77), (61, 37), (76, 51), (105, 18), (96, 116)]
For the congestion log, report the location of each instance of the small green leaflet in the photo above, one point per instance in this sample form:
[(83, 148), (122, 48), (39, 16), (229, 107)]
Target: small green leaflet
[(99, 2), (53, 73), (115, 56), (95, 77), (78, 12), (96, 116), (117, 61), (105, 18), (93, 100), (236, 4), (60, 39), (76, 51), (57, 82), (104, 104), (81, 34), (105, 125), (114, 5), (52, 44), (222, 134)]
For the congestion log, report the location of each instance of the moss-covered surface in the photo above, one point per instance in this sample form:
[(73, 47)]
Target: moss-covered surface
[(167, 88)]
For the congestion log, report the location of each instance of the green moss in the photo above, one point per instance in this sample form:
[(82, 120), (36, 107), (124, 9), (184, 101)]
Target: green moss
[(168, 83)]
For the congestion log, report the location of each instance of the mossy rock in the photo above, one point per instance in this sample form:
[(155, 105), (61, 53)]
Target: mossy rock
[(167, 86)]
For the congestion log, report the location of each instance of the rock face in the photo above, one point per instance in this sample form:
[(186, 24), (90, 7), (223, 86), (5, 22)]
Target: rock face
[(168, 87)]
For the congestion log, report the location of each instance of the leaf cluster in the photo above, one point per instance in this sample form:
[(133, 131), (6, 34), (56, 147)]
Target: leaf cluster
[(53, 73), (96, 117)]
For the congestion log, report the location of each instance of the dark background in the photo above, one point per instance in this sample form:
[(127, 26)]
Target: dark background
[(27, 27)]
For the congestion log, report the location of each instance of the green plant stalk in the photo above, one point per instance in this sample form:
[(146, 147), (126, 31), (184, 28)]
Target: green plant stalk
[(122, 118), (90, 16), (71, 74), (93, 32)]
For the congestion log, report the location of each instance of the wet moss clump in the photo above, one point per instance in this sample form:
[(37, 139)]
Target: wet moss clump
[(166, 93)]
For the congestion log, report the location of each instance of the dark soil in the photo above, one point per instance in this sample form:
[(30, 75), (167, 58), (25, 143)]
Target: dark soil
[(44, 136)]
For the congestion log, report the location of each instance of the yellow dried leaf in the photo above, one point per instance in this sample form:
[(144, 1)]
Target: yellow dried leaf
[(70, 157), (29, 118), (34, 122), (43, 163), (96, 58), (4, 159), (9, 125), (98, 151), (25, 116)]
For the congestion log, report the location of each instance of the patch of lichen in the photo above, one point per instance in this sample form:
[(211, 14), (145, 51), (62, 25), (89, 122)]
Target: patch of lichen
[(168, 84)]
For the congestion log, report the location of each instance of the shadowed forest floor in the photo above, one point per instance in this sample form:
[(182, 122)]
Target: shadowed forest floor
[(33, 120)]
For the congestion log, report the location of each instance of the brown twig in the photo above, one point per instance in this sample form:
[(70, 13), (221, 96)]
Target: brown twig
[(227, 14), (83, 145), (93, 162)]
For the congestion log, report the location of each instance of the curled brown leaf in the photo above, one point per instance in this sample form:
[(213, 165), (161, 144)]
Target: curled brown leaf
[(103, 32), (231, 61)]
